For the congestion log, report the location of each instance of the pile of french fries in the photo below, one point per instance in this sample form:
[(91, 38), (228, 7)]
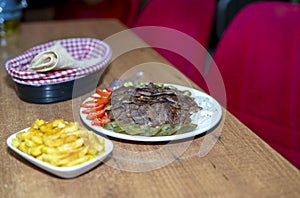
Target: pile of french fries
[(59, 142)]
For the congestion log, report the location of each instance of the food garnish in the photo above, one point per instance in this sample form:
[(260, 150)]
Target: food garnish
[(59, 143), (96, 107)]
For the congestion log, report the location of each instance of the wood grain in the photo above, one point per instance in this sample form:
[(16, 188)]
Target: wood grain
[(239, 164)]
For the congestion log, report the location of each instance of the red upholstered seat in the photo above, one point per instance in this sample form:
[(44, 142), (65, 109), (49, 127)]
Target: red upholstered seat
[(259, 59), (194, 18), (124, 10)]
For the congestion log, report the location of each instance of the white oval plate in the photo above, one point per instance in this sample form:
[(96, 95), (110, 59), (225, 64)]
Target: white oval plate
[(207, 118), (64, 172)]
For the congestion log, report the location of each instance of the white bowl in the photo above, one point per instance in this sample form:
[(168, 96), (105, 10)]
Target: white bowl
[(64, 172)]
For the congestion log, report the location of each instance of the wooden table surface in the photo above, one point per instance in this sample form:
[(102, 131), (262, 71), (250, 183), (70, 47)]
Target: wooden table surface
[(230, 161)]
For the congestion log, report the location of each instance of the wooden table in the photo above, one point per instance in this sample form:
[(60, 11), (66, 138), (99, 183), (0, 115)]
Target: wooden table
[(238, 165)]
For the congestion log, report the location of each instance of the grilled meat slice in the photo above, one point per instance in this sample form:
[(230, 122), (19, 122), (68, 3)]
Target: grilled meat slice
[(151, 105)]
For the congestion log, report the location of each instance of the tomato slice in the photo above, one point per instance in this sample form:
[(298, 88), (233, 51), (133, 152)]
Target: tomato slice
[(101, 121), (102, 101), (105, 118), (95, 115), (89, 105), (93, 109), (96, 97), (104, 94), (109, 89), (96, 123)]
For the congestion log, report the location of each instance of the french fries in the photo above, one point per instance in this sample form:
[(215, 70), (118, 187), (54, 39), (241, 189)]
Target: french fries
[(59, 142)]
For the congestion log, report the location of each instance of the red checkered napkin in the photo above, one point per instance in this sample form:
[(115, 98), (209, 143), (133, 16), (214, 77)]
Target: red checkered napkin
[(46, 81), (79, 48)]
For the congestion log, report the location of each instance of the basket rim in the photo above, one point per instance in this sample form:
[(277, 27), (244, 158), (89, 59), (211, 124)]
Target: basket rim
[(72, 44)]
